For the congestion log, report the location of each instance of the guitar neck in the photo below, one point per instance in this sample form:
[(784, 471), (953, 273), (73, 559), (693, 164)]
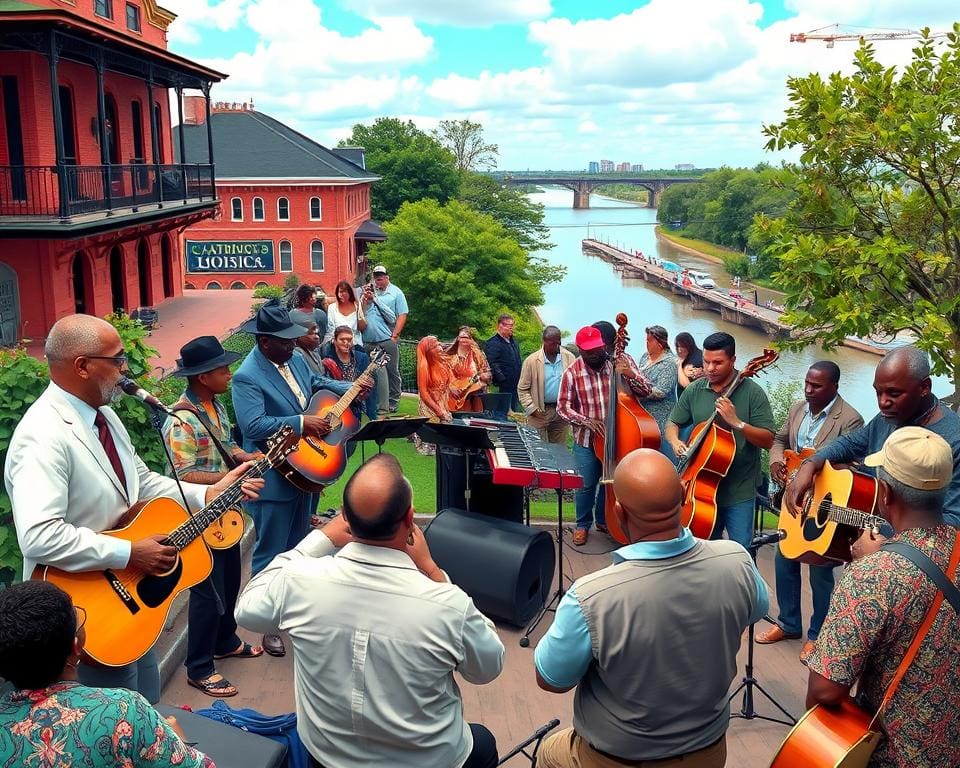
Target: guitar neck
[(340, 407), (855, 517)]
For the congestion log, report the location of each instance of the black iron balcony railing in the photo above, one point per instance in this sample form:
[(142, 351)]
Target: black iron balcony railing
[(64, 191)]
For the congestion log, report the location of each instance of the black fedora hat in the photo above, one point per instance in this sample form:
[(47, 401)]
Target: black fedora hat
[(202, 355), (273, 320)]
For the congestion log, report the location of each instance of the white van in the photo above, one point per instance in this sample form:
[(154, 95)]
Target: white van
[(701, 279)]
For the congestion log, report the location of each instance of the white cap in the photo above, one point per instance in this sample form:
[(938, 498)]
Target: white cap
[(380, 270), (916, 457)]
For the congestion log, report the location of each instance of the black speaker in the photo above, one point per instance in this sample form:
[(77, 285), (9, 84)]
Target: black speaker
[(506, 567)]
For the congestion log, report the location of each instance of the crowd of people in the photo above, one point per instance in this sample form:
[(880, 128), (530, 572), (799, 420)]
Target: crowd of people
[(376, 685)]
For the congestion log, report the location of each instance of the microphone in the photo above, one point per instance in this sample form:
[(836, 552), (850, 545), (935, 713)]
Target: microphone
[(770, 538), (130, 387)]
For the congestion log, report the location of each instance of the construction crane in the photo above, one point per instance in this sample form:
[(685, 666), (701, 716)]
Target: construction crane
[(834, 32)]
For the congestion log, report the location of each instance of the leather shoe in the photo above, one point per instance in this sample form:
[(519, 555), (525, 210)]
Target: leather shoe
[(774, 635), (580, 537), (807, 651), (273, 644), (602, 528)]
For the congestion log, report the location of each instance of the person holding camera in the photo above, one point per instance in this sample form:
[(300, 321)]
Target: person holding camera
[(385, 308)]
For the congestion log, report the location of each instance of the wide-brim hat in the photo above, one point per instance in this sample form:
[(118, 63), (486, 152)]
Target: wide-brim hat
[(273, 320), (203, 355)]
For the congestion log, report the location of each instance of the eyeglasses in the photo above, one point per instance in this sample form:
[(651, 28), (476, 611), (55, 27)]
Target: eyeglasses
[(81, 614), (118, 360)]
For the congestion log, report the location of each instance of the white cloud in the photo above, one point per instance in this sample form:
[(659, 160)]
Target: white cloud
[(588, 126), (513, 88), (193, 15), (456, 12)]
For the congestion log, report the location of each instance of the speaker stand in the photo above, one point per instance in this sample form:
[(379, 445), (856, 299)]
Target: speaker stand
[(560, 590)]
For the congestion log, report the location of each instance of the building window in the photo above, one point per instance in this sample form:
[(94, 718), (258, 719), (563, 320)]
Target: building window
[(189, 287), (283, 209), (213, 285), (103, 8), (258, 209), (260, 284), (236, 209), (316, 256), (286, 256), (314, 209), (133, 17), (237, 286)]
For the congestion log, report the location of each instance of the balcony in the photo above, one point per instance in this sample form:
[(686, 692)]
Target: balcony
[(97, 196)]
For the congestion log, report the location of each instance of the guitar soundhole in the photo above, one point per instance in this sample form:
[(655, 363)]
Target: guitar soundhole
[(823, 510), (154, 590)]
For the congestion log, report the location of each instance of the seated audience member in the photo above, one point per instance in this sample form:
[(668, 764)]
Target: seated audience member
[(51, 719), (651, 641), (401, 631), (344, 361), (880, 604)]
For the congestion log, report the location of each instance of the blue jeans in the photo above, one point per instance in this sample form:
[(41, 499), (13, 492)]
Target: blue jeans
[(737, 519), (788, 595), (591, 498)]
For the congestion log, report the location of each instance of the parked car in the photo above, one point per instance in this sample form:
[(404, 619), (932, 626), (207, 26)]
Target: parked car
[(701, 279)]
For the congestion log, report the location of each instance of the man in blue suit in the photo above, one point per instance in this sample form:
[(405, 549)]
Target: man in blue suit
[(271, 389)]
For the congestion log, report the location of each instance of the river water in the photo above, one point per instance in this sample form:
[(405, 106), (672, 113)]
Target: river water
[(592, 291)]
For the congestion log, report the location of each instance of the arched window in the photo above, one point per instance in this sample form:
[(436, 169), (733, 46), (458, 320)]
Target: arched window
[(189, 287), (286, 256), (237, 286), (258, 209), (260, 284), (213, 285), (283, 209), (316, 256), (315, 209), (236, 209)]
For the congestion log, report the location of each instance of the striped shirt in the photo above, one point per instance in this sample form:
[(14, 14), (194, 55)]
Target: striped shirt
[(584, 393)]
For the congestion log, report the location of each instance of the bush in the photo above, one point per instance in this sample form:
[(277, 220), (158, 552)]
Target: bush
[(269, 292)]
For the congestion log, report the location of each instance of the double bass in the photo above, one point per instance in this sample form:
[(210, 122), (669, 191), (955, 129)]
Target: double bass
[(627, 426), (709, 457)]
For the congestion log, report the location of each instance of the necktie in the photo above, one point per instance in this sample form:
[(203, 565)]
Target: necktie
[(109, 447), (292, 383)]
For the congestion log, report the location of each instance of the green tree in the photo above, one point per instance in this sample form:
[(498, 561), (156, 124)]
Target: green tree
[(456, 267), (872, 242), (411, 165), (522, 217), (464, 140)]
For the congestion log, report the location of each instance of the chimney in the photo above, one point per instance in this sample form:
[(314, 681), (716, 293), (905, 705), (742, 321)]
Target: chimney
[(194, 110)]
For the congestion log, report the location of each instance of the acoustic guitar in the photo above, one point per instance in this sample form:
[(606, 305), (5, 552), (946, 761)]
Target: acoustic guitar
[(126, 607), (316, 463), (838, 508), (467, 387), (225, 531), (834, 737)]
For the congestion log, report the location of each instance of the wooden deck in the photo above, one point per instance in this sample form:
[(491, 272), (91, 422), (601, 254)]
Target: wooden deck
[(513, 706)]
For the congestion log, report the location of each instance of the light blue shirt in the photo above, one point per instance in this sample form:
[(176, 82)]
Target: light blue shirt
[(552, 373), (564, 654), (810, 426), (382, 313)]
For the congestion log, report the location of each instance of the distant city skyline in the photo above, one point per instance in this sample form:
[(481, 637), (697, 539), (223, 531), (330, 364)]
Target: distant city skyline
[(657, 82)]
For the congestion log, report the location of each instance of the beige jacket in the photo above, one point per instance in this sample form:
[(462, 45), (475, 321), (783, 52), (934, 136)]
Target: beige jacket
[(530, 386), (843, 418)]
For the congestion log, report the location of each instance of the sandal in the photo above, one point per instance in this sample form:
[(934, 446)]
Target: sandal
[(245, 651), (219, 689)]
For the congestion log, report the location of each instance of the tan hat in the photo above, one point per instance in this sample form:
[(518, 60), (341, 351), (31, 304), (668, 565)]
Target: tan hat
[(916, 457)]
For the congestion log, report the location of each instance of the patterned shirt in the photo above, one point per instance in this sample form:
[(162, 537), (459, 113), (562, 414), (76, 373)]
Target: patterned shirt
[(878, 605), (193, 450), (584, 392), (69, 724)]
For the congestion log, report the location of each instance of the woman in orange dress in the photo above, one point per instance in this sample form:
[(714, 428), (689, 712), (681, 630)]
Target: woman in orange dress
[(433, 383), (471, 372)]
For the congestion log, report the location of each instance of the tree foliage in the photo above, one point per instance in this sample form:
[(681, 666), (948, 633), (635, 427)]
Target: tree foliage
[(519, 215), (464, 140), (872, 242), (411, 165), (456, 267)]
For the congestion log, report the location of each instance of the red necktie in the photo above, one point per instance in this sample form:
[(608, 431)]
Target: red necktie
[(109, 447)]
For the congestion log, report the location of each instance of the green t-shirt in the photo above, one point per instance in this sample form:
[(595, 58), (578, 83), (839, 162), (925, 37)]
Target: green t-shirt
[(698, 403)]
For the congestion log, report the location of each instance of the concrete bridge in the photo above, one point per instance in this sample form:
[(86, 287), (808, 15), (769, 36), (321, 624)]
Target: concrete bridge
[(583, 184)]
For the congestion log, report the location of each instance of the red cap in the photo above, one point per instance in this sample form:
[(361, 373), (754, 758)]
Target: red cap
[(589, 338)]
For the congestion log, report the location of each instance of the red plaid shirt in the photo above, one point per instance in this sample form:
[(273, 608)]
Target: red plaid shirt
[(584, 392)]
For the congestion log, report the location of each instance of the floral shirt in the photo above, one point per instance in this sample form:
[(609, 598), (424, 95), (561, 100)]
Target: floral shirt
[(878, 605), (69, 724)]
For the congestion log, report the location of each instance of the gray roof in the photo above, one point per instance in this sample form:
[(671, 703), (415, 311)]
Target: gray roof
[(354, 154), (251, 144)]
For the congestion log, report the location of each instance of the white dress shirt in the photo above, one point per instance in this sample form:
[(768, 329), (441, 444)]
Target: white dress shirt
[(375, 646)]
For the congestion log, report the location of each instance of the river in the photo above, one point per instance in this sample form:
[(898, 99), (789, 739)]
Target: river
[(592, 291)]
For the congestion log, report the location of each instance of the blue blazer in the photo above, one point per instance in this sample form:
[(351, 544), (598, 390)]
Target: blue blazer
[(263, 403)]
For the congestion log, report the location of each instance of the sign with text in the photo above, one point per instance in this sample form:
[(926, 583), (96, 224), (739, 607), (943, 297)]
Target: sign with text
[(229, 256)]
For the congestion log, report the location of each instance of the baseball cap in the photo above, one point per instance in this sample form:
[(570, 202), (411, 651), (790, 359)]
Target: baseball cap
[(589, 338), (916, 457), (379, 270)]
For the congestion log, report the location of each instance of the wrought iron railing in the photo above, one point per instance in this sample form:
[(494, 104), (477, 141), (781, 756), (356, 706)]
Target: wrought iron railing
[(64, 191)]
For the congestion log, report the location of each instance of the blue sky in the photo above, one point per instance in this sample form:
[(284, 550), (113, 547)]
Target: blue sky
[(556, 83)]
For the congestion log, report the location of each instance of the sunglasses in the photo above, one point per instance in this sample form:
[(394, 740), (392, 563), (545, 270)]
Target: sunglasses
[(118, 360)]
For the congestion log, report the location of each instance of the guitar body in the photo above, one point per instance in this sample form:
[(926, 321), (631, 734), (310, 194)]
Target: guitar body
[(225, 531), (316, 464), (701, 478), (469, 386), (126, 608), (812, 537), (837, 737), (791, 461)]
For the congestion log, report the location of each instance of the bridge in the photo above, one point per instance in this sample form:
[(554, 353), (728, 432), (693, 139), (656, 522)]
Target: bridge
[(583, 184)]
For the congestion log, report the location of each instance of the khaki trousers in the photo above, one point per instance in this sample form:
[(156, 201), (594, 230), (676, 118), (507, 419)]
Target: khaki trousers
[(551, 427), (565, 749)]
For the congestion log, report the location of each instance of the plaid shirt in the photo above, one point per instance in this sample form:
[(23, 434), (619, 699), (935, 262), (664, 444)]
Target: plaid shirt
[(193, 450), (584, 393)]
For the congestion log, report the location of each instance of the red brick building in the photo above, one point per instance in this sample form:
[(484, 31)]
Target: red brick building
[(288, 204), (92, 195)]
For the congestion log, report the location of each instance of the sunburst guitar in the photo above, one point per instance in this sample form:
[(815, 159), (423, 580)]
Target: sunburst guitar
[(127, 608), (834, 737)]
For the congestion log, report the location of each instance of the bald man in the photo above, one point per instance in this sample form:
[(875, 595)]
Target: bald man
[(378, 631), (72, 472), (651, 641)]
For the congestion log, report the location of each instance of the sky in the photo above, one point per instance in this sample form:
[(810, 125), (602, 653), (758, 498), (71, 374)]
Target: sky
[(555, 83)]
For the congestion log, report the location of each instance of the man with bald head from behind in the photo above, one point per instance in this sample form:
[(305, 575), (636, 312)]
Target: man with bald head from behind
[(651, 641)]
